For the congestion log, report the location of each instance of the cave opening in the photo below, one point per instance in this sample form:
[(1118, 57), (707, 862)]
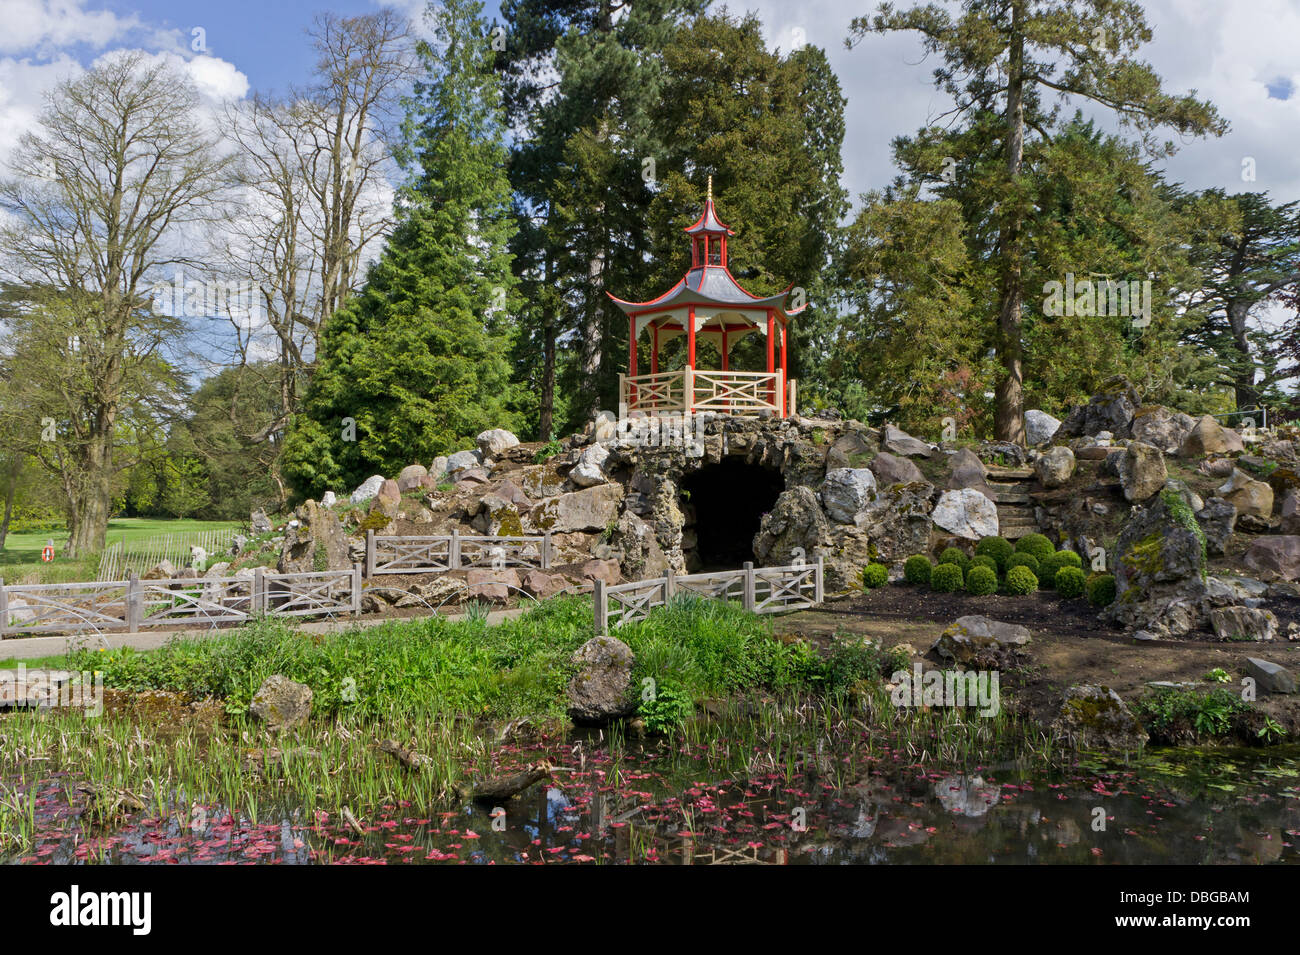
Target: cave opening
[(724, 505)]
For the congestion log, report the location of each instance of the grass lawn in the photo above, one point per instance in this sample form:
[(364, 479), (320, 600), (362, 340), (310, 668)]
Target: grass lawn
[(20, 561)]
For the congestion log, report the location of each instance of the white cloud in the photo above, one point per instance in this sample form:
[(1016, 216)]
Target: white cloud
[(44, 25)]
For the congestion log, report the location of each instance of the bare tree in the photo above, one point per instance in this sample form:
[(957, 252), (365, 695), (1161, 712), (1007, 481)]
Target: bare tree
[(312, 170), (118, 167)]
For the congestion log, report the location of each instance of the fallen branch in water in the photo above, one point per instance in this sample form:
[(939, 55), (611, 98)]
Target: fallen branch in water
[(405, 755), (504, 787)]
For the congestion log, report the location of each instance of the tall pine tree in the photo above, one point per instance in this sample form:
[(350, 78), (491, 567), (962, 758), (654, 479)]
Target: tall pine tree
[(419, 360)]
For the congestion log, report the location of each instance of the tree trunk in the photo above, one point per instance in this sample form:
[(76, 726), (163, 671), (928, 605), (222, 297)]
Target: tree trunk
[(87, 531), (1243, 384), (1009, 420), (546, 424), (10, 492)]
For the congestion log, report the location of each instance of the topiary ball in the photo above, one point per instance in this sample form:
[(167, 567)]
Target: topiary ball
[(875, 575), (955, 555), (1070, 581), (1049, 565), (999, 548), (1021, 580), (946, 578), (981, 580), (984, 560), (1023, 560), (1100, 589), (916, 569), (1036, 544)]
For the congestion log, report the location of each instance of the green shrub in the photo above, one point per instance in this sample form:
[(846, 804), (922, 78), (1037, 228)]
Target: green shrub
[(1036, 544), (850, 661), (946, 578), (666, 710), (981, 580), (875, 575), (1100, 589), (999, 548), (955, 555), (1070, 581), (1023, 560), (1050, 564), (984, 560), (1021, 580), (916, 569)]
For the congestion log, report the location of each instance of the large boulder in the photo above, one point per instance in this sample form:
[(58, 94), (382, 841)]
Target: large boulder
[(1217, 519), (410, 477), (1243, 623), (598, 691), (1039, 427), (313, 541), (1159, 566), (368, 489), (1209, 437), (604, 426), (1289, 512), (1142, 471), (541, 481), (852, 449), (461, 462), (896, 524), (280, 703), (590, 469), (637, 548), (1111, 409), (966, 513), (591, 509), (491, 586), (1276, 556), (1095, 717), (260, 523), (795, 527), (900, 442), (1055, 466), (978, 640), (1252, 499), (968, 471), (492, 443), (543, 585), (890, 469), (1270, 677), (1162, 427), (390, 495), (846, 493)]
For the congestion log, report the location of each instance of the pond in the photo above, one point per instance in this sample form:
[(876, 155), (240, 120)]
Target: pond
[(612, 802)]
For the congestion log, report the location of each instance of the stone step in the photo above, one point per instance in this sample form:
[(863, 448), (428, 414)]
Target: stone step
[(1014, 494), (1008, 474)]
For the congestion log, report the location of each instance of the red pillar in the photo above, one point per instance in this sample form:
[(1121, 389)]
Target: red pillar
[(771, 350), (654, 349), (785, 368), (725, 364), (631, 350), (690, 337)]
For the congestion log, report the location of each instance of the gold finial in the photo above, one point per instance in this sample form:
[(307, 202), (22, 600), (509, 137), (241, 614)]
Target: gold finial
[(710, 199)]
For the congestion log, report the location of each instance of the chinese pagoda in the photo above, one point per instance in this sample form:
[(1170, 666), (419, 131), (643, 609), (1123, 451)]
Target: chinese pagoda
[(708, 302)]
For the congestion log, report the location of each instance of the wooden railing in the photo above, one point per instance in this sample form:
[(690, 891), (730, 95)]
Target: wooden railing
[(454, 551), (759, 589), (688, 390), (133, 605)]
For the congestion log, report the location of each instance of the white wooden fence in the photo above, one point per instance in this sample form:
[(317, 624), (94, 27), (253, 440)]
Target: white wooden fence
[(759, 589), (133, 605), (120, 558), (454, 551)]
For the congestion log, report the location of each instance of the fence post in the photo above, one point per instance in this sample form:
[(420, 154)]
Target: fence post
[(546, 551), (453, 551), (688, 389), (370, 553), (602, 611), (818, 591), (134, 603), (670, 585), (259, 590), (4, 609), (748, 600), (356, 588)]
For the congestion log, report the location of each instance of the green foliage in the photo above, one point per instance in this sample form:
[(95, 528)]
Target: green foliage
[(875, 575), (1100, 589), (1181, 512), (666, 710), (955, 555), (946, 578), (1020, 581), (418, 359), (1070, 581), (1218, 675), (1036, 544), (1050, 564), (1206, 714), (981, 580), (917, 569), (999, 548), (547, 451), (1023, 560), (984, 560), (852, 661)]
